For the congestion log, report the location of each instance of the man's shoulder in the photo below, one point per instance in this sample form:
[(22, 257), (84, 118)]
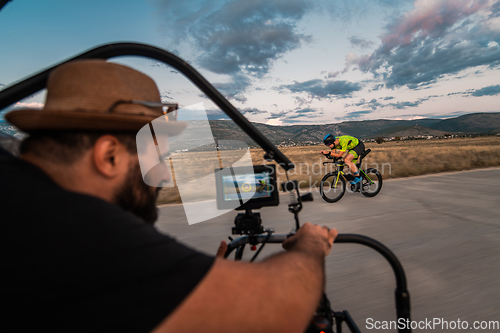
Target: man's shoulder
[(64, 224), (20, 181), (30, 193)]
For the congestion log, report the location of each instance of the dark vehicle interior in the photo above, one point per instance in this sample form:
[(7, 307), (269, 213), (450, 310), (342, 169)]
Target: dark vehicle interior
[(249, 225)]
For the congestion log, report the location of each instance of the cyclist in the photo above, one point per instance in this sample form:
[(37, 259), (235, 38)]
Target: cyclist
[(261, 186), (349, 148)]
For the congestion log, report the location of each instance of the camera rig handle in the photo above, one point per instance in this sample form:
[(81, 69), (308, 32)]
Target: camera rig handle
[(402, 296)]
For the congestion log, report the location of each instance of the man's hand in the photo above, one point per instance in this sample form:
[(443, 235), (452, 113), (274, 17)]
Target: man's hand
[(311, 238), (300, 269), (325, 152), (221, 250)]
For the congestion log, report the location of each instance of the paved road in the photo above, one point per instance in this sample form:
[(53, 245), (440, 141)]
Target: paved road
[(445, 229)]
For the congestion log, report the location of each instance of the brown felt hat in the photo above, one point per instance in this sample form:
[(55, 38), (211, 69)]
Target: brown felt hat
[(81, 93)]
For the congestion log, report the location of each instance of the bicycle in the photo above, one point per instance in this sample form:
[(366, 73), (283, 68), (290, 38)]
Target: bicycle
[(333, 185), (262, 187)]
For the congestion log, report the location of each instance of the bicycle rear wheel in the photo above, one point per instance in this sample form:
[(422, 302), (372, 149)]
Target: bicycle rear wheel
[(332, 188), (371, 183)]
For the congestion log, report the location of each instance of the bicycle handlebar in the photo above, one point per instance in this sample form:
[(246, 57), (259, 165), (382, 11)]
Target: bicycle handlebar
[(335, 160), (402, 296), (330, 157)]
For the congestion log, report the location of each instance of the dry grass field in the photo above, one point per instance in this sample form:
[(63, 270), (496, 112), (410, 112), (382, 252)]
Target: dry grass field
[(392, 159)]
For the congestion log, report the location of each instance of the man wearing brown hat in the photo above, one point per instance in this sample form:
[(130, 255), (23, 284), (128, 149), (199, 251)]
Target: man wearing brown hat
[(79, 253)]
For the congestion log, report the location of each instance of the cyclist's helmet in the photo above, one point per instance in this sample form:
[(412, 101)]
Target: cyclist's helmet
[(328, 139)]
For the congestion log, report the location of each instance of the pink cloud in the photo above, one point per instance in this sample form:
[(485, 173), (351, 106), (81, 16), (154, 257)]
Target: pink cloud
[(32, 105), (435, 38), (430, 18)]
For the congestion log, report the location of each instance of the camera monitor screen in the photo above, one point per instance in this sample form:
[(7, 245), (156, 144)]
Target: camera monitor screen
[(238, 188)]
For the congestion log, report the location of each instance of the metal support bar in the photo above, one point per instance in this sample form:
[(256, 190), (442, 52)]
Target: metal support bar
[(402, 295), (35, 83)]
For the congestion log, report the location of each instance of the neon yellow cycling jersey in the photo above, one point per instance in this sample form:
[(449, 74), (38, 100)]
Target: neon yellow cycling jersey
[(346, 142)]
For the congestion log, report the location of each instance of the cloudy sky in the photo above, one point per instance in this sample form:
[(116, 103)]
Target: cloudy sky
[(285, 61)]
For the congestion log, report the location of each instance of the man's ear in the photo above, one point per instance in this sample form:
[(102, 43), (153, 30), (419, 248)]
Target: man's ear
[(109, 156)]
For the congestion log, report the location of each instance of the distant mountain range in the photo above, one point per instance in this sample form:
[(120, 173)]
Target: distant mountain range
[(475, 123)]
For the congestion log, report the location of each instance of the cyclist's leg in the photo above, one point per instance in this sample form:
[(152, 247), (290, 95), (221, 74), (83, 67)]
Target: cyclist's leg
[(350, 159), (356, 152), (359, 149)]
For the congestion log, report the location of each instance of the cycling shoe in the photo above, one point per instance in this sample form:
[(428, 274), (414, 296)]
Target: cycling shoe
[(356, 180)]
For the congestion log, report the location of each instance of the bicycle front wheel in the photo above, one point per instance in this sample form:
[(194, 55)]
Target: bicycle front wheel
[(332, 187), (371, 183)]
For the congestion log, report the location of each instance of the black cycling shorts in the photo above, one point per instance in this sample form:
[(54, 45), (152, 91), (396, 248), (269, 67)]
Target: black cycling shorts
[(359, 149)]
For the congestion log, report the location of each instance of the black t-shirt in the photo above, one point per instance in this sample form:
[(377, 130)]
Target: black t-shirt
[(75, 263)]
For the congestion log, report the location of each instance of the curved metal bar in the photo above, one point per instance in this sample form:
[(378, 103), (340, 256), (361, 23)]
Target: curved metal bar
[(380, 248), (341, 238), (401, 293), (37, 82), (3, 3)]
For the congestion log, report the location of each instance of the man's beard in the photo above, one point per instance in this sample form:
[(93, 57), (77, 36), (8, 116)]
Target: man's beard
[(137, 197)]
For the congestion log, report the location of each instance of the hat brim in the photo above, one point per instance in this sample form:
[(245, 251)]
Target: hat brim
[(29, 120)]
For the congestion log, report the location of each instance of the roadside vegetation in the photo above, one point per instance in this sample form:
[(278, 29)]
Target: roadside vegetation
[(393, 159)]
